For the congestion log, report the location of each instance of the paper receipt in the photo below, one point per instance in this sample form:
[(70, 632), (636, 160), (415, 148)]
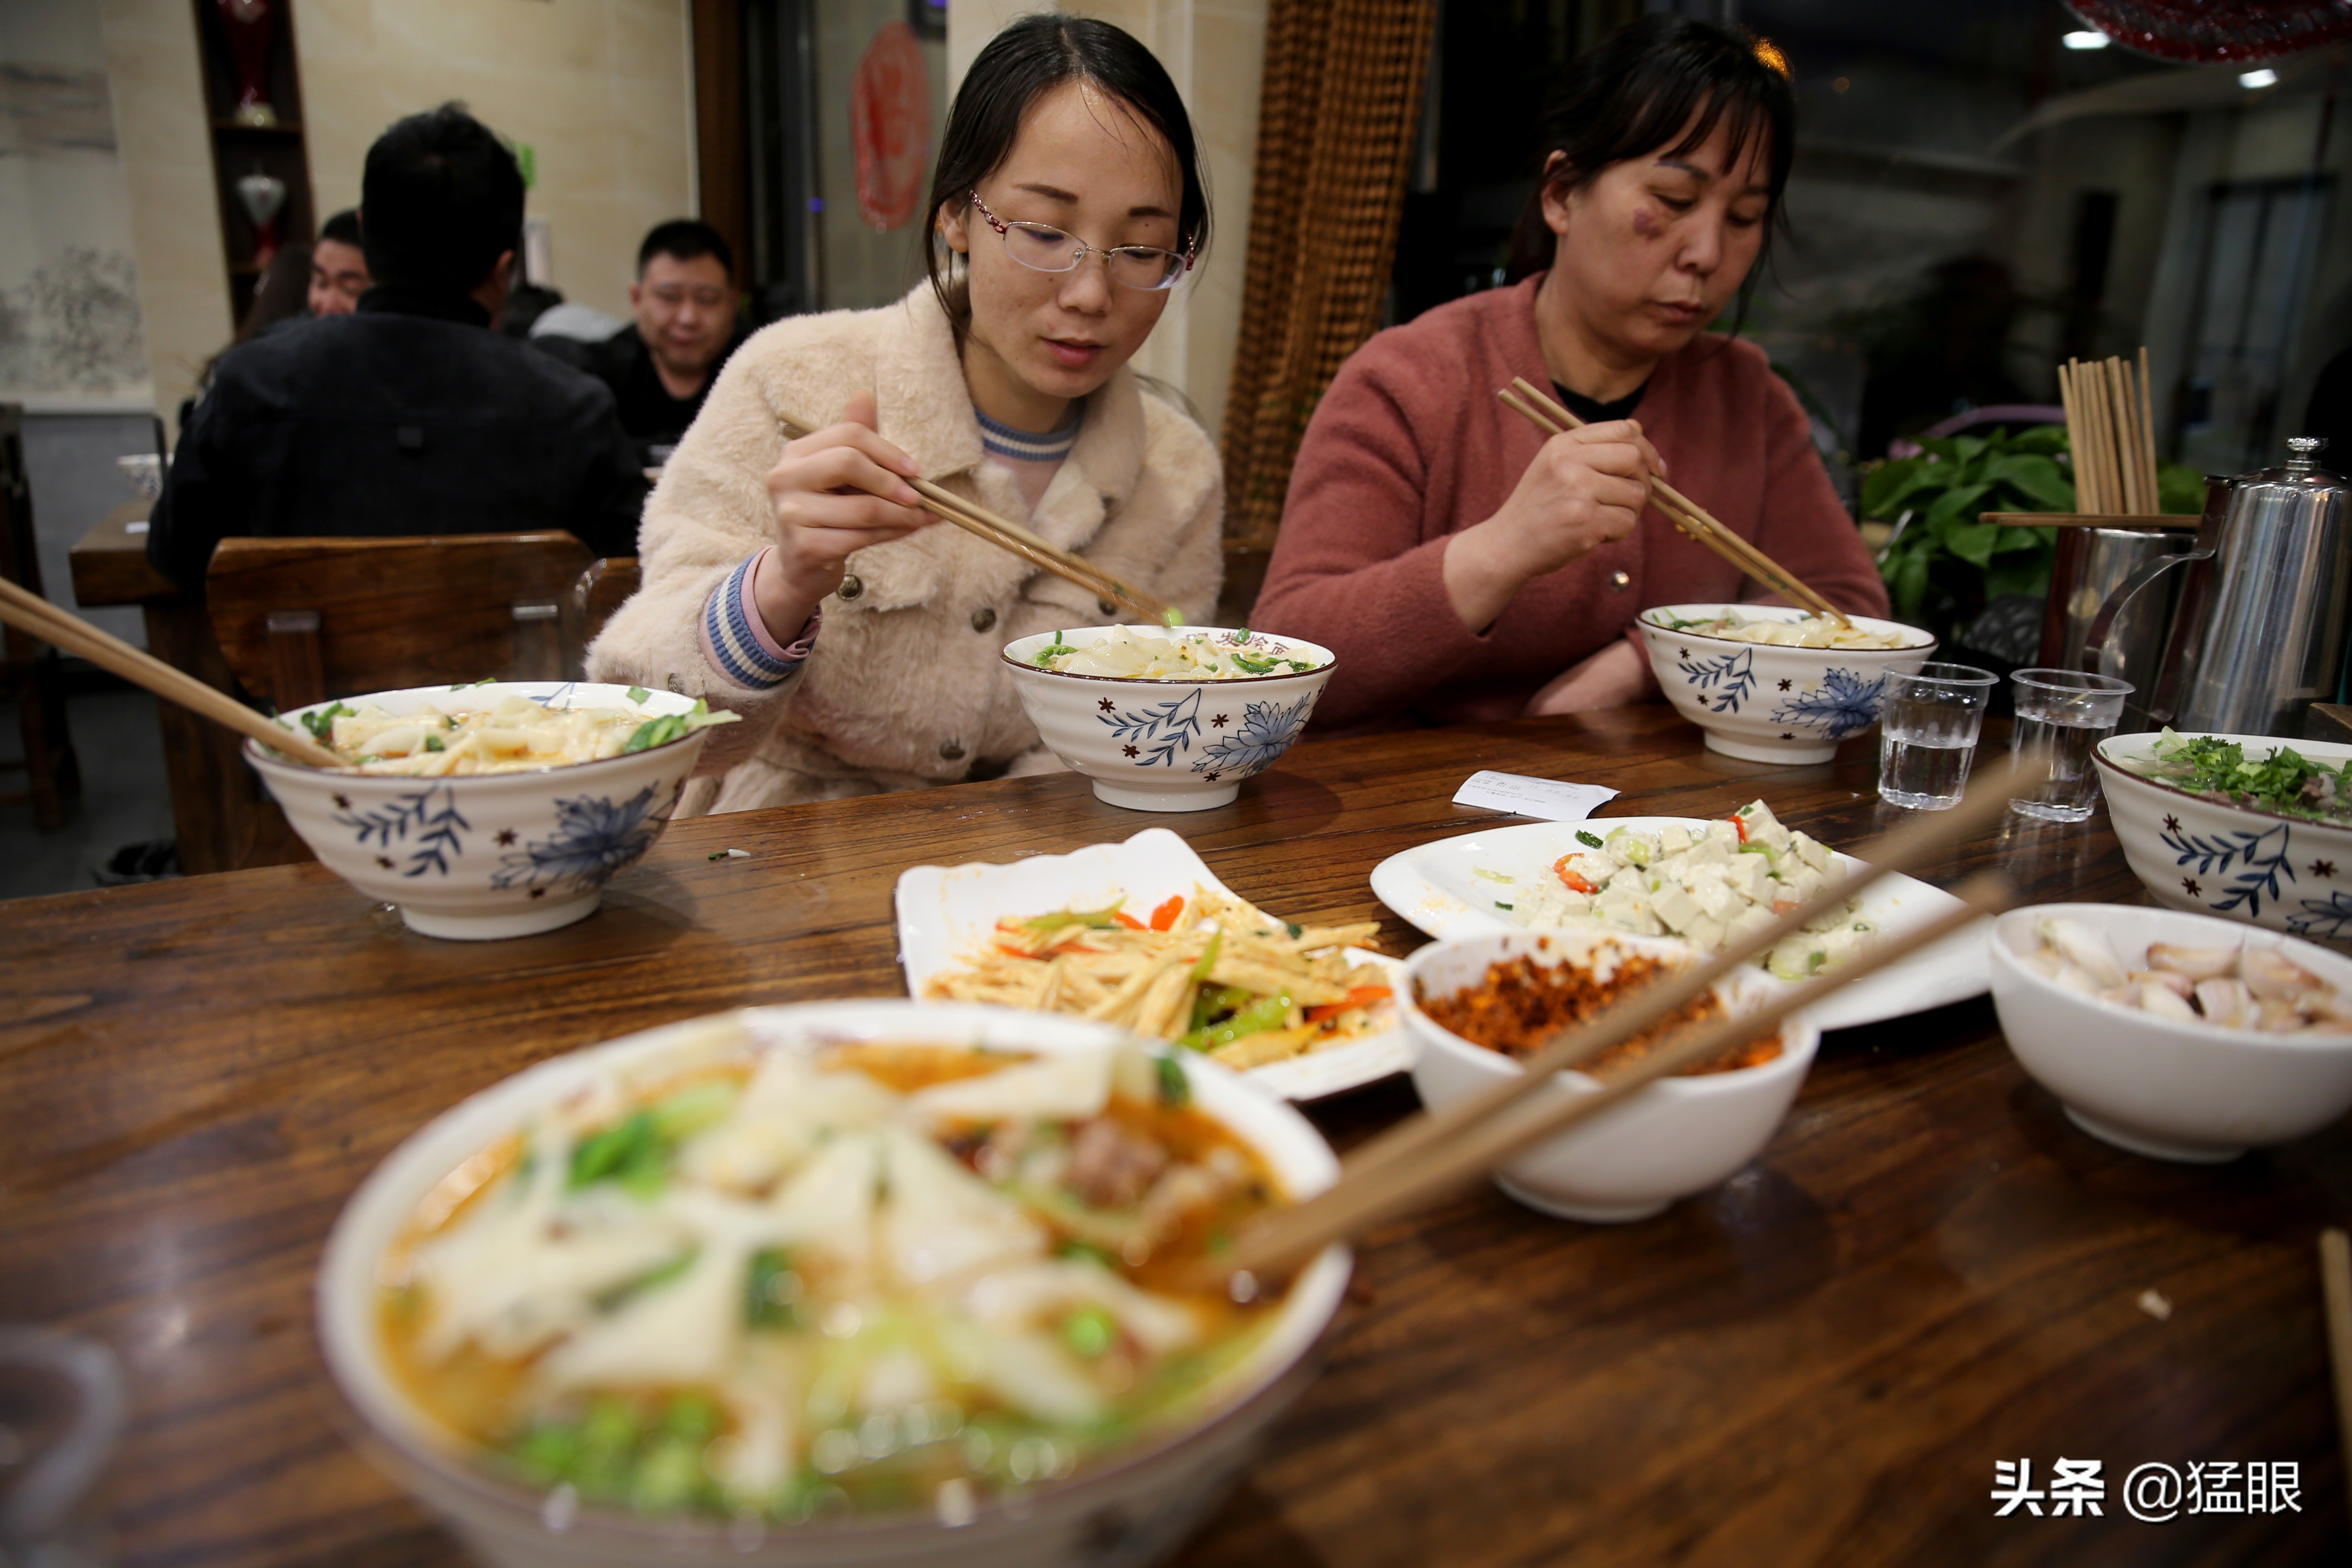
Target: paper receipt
[(1549, 798)]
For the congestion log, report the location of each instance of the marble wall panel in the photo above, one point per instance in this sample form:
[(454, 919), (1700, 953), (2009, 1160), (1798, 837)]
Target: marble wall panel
[(159, 119)]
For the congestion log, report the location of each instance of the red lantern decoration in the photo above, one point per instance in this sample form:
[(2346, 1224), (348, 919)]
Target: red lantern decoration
[(890, 126), (2208, 31)]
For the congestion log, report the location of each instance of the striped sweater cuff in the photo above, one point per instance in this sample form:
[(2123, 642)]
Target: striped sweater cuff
[(738, 646)]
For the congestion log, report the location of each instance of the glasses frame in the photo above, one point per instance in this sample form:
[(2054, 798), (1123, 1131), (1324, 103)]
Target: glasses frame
[(1004, 232)]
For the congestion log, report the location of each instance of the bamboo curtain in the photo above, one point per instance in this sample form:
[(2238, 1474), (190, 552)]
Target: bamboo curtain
[(1337, 123)]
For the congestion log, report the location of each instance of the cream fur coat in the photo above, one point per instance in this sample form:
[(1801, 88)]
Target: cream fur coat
[(904, 688)]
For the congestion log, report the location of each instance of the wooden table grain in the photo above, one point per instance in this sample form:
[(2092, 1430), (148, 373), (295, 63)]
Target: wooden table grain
[(1929, 1270)]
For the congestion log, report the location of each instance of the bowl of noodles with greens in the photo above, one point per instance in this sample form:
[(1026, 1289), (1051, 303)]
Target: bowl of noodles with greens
[(493, 809), (877, 1282), (1168, 718)]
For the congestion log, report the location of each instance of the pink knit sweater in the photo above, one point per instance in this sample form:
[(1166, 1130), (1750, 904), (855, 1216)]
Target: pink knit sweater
[(1410, 447)]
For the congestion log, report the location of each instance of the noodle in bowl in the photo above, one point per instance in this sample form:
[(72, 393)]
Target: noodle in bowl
[(1133, 1507), (1768, 701), (1183, 737), (525, 846)]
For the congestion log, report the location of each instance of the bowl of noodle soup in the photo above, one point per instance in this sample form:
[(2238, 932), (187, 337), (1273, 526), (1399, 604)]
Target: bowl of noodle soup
[(811, 1453), (1774, 684), (1168, 719), (489, 810)]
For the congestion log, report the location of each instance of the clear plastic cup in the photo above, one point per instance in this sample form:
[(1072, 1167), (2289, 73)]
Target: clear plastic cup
[(2062, 716), (1927, 725)]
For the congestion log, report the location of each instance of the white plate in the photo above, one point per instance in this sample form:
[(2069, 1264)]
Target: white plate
[(945, 911), (1432, 887)]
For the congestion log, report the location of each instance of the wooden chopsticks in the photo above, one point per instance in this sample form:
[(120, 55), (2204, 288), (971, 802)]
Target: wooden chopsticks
[(1423, 1157), (2111, 432), (2335, 1290), (1547, 416), (30, 613), (1039, 552)]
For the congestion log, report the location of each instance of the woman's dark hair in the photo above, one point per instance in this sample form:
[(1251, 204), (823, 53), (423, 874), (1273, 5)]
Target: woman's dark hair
[(440, 200), (1660, 85), (1021, 65)]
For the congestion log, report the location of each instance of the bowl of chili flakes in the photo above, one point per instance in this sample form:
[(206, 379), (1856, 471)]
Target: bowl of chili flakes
[(1476, 1006)]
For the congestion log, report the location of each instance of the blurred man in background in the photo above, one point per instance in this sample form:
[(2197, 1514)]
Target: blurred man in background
[(661, 365), (339, 273), (408, 415)]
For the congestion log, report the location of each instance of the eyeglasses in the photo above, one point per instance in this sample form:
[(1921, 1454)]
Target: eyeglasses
[(1045, 248)]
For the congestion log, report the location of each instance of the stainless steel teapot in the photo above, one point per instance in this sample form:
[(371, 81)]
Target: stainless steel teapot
[(2261, 630)]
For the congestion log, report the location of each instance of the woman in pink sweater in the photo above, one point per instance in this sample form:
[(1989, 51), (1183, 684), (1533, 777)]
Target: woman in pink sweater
[(1465, 568)]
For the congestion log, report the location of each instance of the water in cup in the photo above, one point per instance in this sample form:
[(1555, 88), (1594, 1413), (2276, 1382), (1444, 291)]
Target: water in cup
[(2053, 768), (1928, 726), (1924, 772), (2062, 716)]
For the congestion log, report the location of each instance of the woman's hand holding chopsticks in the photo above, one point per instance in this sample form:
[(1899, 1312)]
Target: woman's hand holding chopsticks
[(835, 492), (1585, 488)]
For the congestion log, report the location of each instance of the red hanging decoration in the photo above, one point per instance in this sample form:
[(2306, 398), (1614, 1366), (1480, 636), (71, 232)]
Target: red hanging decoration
[(890, 126), (2208, 31), (249, 25)]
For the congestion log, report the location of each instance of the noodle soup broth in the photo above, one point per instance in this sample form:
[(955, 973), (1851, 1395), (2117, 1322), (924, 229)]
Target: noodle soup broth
[(768, 1268)]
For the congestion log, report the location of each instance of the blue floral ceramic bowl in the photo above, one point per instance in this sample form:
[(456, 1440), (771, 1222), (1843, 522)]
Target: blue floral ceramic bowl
[(489, 855), (1168, 745), (1766, 703), (2213, 857)]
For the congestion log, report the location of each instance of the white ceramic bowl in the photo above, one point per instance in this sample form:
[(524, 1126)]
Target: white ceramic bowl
[(1131, 1510), (491, 855), (1768, 704), (2154, 1086), (1166, 745), (2210, 857), (145, 472), (1676, 1137)]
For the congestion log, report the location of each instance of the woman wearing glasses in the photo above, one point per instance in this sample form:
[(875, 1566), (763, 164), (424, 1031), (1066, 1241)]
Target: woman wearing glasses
[(1463, 567), (794, 581)]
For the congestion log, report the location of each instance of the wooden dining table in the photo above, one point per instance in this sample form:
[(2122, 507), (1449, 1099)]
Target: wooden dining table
[(1929, 1273)]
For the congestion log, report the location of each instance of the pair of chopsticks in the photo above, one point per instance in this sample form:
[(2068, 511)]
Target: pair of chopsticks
[(1427, 1156), (28, 612), (1039, 552), (2111, 432), (1547, 416)]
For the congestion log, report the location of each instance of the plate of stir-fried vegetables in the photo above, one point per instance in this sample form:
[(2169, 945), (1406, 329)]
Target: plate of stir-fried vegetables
[(1142, 934)]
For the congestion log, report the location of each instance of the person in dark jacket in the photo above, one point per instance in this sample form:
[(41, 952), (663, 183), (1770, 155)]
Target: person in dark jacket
[(408, 416), (661, 366)]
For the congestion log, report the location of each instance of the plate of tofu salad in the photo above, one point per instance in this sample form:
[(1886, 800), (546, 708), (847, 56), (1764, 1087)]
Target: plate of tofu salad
[(1704, 882)]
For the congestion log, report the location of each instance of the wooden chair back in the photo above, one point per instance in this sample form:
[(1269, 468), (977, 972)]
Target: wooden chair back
[(301, 620), (605, 587)]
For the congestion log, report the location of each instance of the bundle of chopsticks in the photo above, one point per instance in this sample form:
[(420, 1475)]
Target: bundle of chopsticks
[(1426, 1157), (2110, 427), (1547, 416), (1040, 553)]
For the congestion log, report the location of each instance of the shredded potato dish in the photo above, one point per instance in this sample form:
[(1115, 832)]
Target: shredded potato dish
[(513, 734), (1211, 973), (1144, 653), (1806, 631)]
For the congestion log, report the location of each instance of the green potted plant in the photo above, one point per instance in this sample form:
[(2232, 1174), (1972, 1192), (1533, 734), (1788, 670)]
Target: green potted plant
[(1942, 566)]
